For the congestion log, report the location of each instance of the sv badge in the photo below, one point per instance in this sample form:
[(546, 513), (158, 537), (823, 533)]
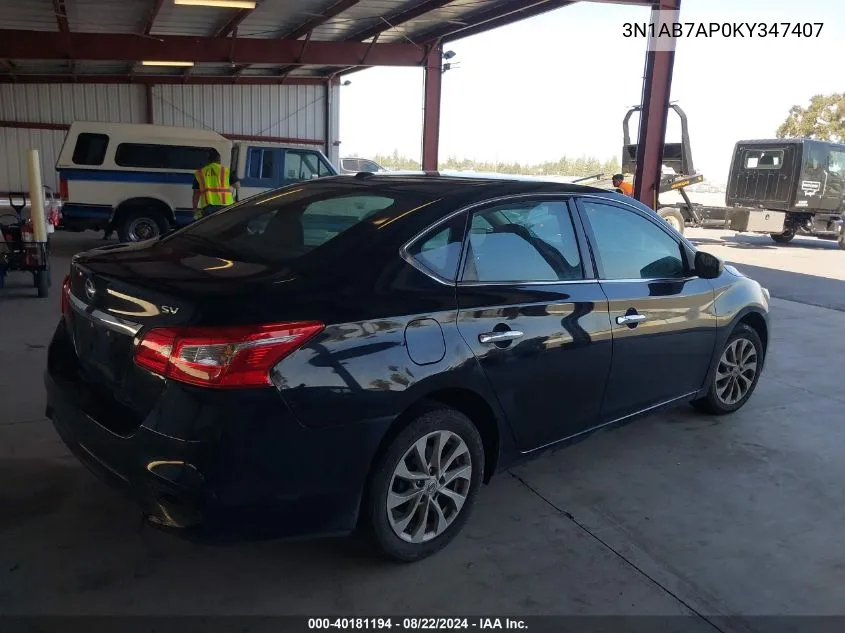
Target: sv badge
[(169, 309)]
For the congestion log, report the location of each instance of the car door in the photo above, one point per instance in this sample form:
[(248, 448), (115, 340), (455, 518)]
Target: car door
[(535, 317), (664, 327)]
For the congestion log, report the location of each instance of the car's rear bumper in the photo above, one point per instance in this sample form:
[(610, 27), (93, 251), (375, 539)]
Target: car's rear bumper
[(250, 470)]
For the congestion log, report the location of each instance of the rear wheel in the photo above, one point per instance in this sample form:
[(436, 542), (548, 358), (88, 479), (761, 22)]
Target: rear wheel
[(737, 372), (673, 217), (424, 487), (783, 238), (138, 224)]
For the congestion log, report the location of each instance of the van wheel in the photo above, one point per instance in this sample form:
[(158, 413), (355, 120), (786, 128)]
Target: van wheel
[(673, 217), (783, 238), (138, 224), (425, 485)]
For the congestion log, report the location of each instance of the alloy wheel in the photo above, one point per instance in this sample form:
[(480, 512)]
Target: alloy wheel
[(736, 371), (429, 487)]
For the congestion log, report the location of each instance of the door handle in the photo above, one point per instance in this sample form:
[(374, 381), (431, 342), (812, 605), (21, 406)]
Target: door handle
[(626, 319), (498, 337)]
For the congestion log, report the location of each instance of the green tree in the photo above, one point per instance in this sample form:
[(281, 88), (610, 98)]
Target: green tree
[(823, 119), (564, 166)]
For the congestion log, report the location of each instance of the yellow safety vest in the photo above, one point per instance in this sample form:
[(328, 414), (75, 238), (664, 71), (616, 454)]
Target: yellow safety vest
[(214, 186)]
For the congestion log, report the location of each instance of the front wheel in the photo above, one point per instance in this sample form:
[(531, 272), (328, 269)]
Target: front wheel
[(673, 217), (737, 372), (424, 486)]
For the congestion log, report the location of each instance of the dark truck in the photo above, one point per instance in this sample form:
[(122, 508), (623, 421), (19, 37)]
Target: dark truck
[(787, 187)]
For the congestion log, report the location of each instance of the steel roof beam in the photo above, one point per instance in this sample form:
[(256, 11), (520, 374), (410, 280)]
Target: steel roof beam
[(232, 25), (266, 80), (151, 18), (18, 44), (61, 16)]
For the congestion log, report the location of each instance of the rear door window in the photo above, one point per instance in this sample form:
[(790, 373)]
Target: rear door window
[(523, 241), (90, 149)]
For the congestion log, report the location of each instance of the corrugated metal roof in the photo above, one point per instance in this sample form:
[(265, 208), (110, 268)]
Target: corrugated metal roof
[(271, 19)]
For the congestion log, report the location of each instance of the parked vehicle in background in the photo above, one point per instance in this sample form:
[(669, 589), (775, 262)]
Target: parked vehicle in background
[(354, 165), (136, 179), (787, 187), (368, 350)]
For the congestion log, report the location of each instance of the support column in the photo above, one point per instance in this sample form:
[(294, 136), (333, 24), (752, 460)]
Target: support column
[(148, 95), (431, 109), (657, 83), (328, 119)]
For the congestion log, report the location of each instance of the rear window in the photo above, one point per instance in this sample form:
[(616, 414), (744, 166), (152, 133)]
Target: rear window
[(150, 156), (90, 149), (285, 225), (764, 159)]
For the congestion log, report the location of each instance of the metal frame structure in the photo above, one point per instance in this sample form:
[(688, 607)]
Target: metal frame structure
[(411, 36)]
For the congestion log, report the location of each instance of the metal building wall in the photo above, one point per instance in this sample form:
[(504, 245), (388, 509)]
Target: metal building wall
[(58, 104), (293, 112)]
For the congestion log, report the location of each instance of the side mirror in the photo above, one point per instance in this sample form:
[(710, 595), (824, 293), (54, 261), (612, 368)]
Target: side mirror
[(708, 266)]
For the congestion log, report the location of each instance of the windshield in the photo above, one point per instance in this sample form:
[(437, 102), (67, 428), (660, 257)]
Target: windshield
[(290, 224)]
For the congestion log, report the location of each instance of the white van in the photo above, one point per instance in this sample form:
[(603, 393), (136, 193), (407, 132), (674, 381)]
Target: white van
[(137, 179)]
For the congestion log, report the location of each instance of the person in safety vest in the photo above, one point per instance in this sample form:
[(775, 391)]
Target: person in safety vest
[(624, 187), (213, 186)]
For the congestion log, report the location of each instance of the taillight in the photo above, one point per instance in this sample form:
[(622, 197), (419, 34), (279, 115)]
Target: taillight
[(221, 357), (66, 297), (63, 191)]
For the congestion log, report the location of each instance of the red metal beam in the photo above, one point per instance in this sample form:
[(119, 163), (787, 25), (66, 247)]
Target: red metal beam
[(25, 125), (143, 79), (132, 47), (431, 112), (61, 15), (151, 18), (657, 85), (396, 19)]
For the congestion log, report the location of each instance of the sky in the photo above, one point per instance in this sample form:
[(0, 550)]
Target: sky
[(560, 83)]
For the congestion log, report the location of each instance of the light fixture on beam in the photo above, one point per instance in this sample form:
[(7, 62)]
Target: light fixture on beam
[(220, 4), (157, 63)]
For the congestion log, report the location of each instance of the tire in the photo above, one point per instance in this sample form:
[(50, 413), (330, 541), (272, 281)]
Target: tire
[(674, 217), (716, 402), (42, 283), (138, 224), (841, 240), (783, 238), (384, 526)]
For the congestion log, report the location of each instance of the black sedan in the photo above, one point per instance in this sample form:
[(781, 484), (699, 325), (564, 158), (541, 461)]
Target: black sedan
[(366, 351)]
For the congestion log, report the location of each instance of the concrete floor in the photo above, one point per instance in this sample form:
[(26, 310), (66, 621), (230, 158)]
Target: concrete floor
[(676, 514)]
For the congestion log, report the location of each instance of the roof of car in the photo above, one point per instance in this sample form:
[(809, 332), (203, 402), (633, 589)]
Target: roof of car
[(462, 181)]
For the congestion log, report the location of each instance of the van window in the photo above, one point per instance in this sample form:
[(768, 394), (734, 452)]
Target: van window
[(764, 159), (261, 163), (90, 149), (147, 155)]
